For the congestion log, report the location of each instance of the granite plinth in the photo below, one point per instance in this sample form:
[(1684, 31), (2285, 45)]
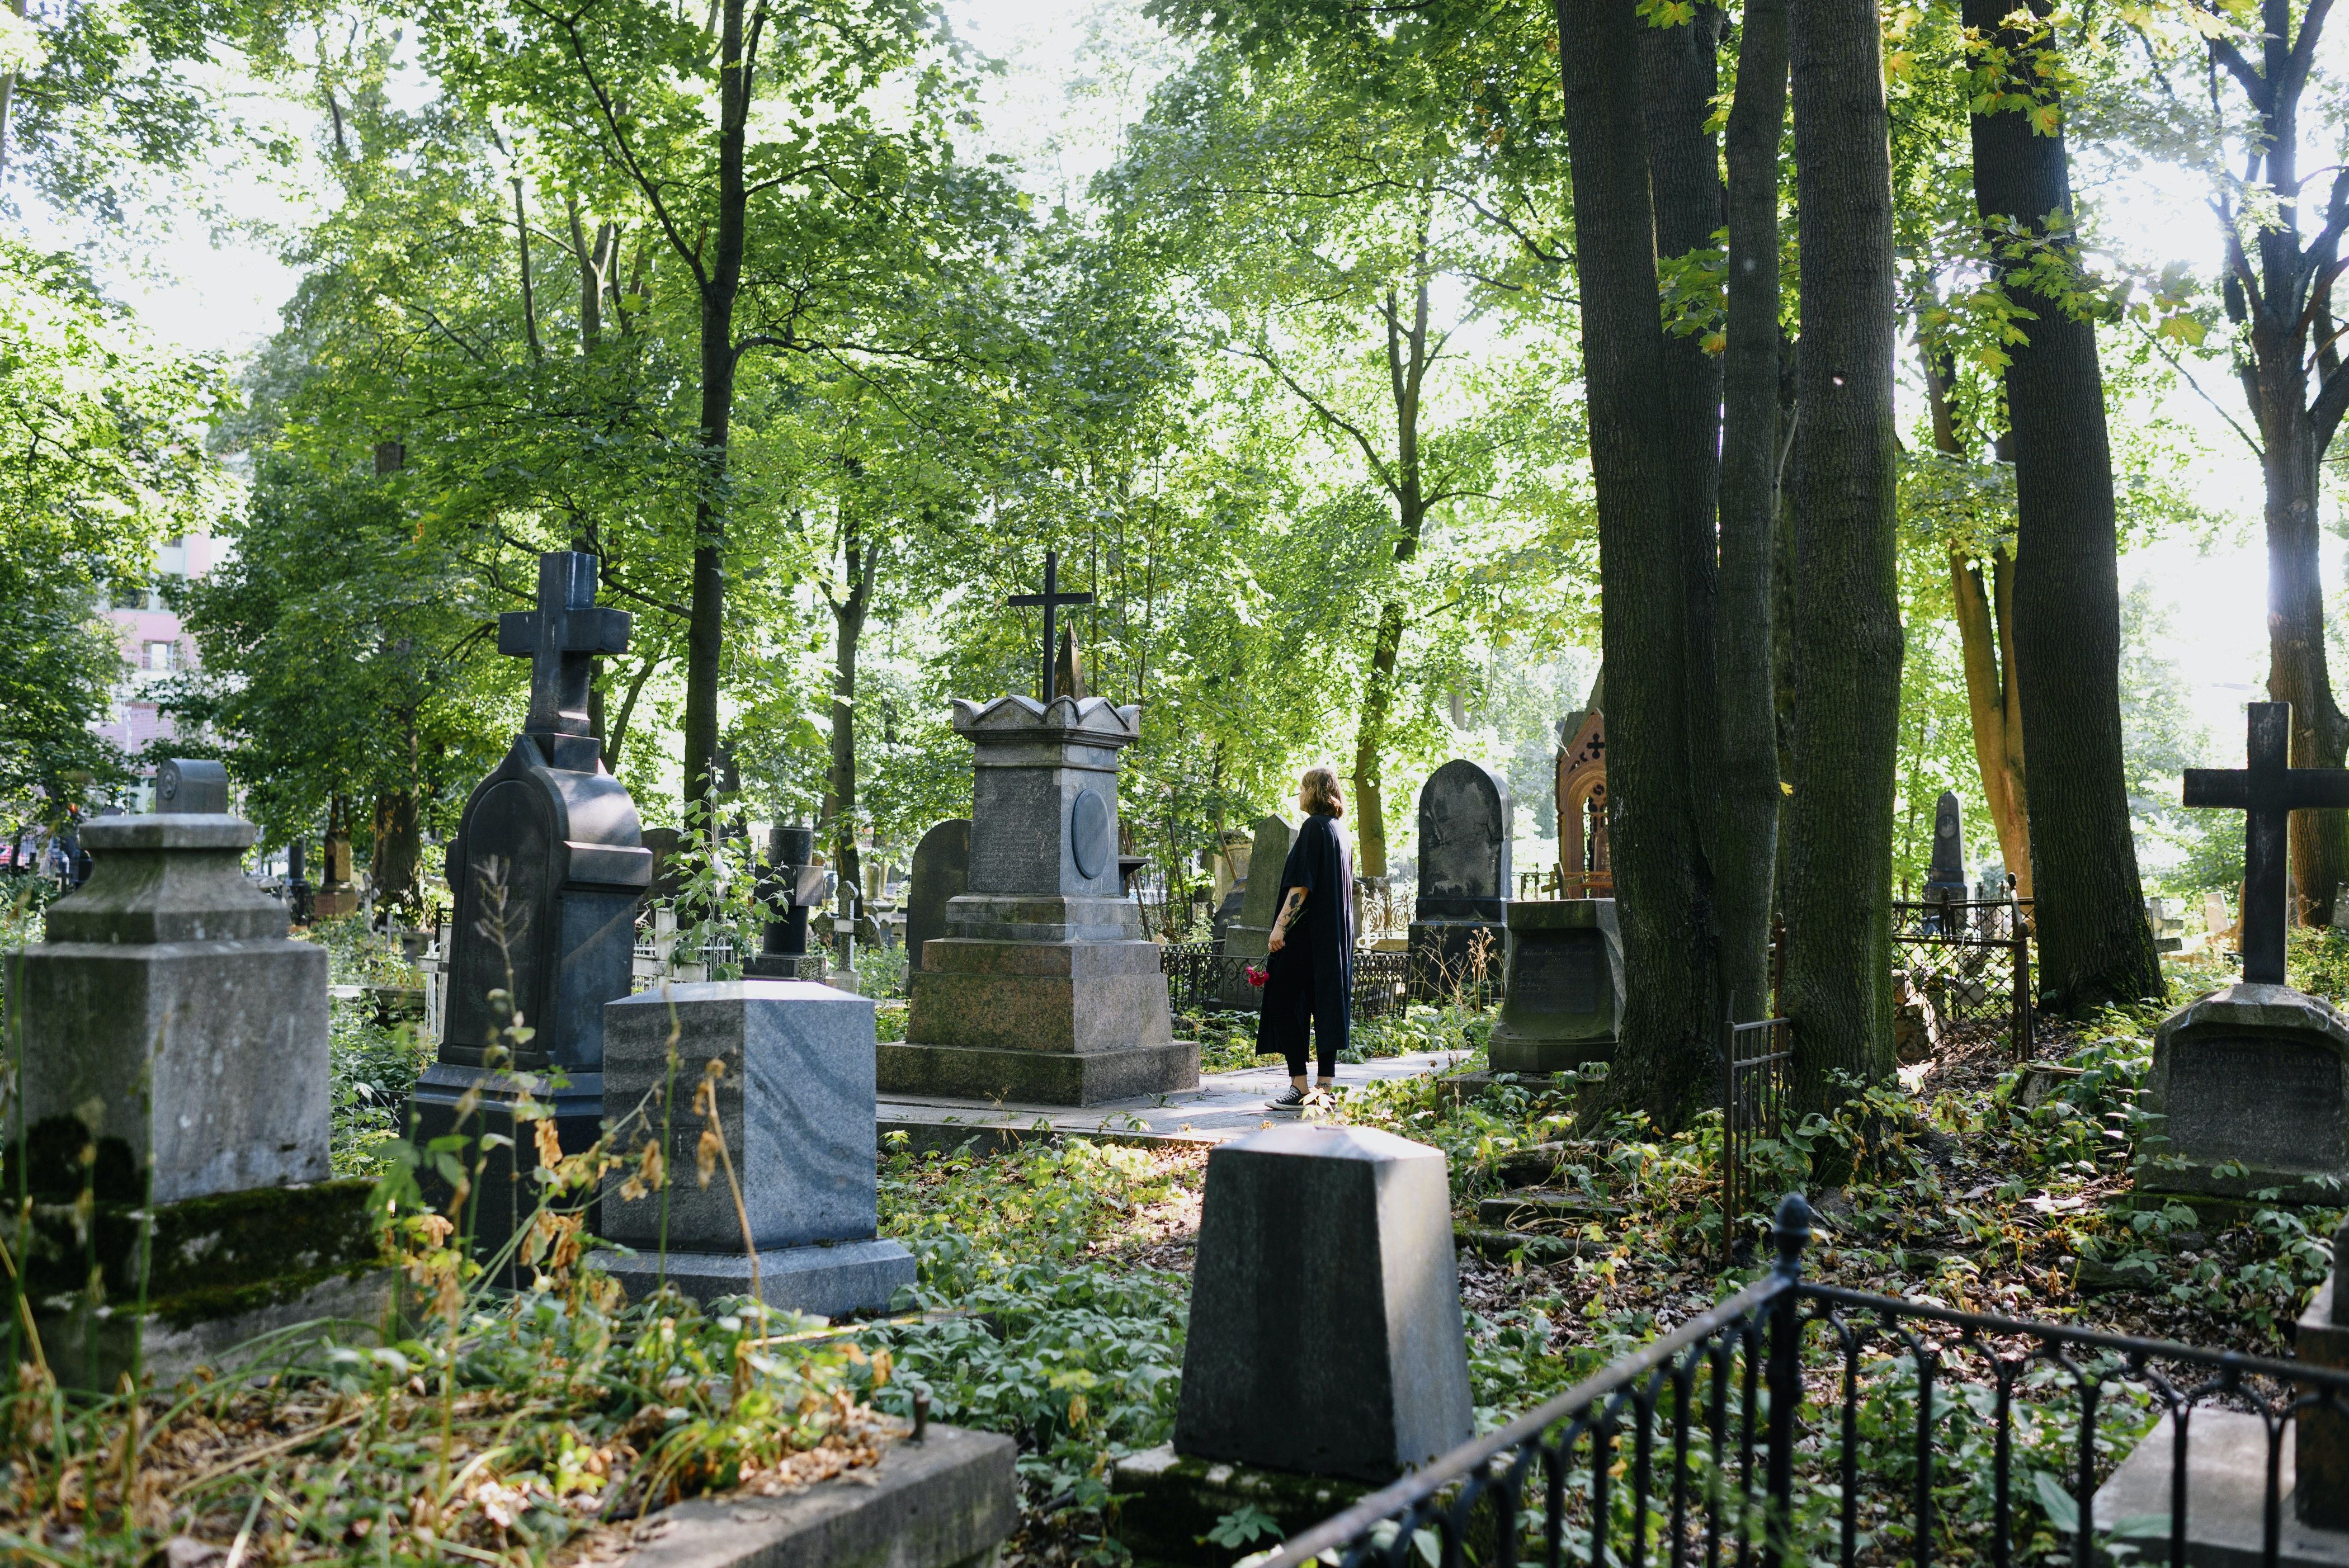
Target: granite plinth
[(795, 1105), (1326, 1335), (92, 1348), (2252, 1080), (502, 1167), (783, 966), (1171, 1502), (1562, 991), (1443, 953), (2226, 1498), (169, 1015), (825, 1280), (1038, 1078)]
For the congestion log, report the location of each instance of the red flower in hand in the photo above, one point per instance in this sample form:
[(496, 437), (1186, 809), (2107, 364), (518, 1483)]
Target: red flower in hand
[(1257, 977)]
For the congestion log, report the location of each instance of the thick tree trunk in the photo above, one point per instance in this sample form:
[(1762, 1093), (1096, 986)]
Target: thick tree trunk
[(1667, 1061), (2094, 946), (705, 631), (1848, 638), (398, 845), (2298, 669), (1370, 735), (1993, 702), (1746, 860)]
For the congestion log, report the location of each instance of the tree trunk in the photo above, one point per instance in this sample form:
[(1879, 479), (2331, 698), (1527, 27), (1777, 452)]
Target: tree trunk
[(705, 631), (1847, 637), (1370, 733), (398, 845), (2094, 946), (848, 629), (1993, 701), (2298, 670), (1747, 856), (1667, 1060)]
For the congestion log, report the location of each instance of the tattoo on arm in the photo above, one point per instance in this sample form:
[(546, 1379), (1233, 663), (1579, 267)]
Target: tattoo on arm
[(1290, 910)]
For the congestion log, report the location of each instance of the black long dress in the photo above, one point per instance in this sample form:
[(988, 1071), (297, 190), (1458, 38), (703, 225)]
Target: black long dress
[(1310, 979)]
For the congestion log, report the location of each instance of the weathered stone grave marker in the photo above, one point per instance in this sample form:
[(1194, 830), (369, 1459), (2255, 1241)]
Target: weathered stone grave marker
[(173, 1032), (1248, 937), (1465, 826), (548, 868), (1043, 990), (785, 887), (1945, 876), (2253, 1079), (1327, 1352), (941, 875), (1562, 1000)]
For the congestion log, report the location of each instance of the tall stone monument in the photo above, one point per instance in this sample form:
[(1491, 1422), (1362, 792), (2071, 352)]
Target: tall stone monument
[(1465, 826), (173, 1044), (1945, 876), (1248, 938), (548, 867), (1562, 993), (2252, 1081), (789, 892), (941, 875), (1043, 989)]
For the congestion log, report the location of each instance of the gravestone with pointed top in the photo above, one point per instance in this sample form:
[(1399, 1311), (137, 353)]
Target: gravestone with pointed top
[(941, 875), (2251, 1082), (1248, 937), (1459, 928), (1043, 990), (548, 867)]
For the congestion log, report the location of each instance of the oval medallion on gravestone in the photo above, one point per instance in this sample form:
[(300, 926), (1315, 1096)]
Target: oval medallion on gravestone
[(1088, 834)]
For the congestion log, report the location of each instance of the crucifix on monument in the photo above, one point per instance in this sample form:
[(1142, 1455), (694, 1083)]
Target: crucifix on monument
[(2267, 792), (561, 639), (1051, 598)]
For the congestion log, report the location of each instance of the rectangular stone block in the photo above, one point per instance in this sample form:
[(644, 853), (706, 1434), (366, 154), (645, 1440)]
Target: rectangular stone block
[(1562, 993), (824, 1281), (796, 1103), (1326, 1335), (1038, 1078)]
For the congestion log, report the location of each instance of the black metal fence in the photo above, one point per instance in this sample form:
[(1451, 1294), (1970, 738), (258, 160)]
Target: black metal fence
[(1201, 980), (1937, 1434), (1754, 1062), (1965, 968)]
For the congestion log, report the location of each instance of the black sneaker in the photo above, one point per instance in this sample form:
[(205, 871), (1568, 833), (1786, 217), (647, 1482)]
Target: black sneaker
[(1291, 1099)]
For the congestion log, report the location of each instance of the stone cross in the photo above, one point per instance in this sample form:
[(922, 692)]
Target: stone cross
[(1051, 598), (2267, 792), (560, 639)]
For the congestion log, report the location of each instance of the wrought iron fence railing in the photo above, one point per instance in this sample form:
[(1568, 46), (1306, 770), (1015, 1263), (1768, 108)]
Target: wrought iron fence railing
[(1755, 1060), (1966, 966), (1804, 1423), (1201, 980)]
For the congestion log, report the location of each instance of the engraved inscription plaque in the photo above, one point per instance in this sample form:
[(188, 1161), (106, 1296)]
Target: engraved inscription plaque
[(2259, 1099), (1561, 977)]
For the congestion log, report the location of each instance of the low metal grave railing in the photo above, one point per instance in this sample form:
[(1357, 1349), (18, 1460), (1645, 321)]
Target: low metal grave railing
[(1756, 1059), (1201, 980), (1970, 963), (1803, 1423)]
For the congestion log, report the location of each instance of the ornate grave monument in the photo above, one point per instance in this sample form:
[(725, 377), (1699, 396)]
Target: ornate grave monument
[(1584, 869), (2253, 1079), (173, 1044), (795, 1105), (1562, 995), (941, 875), (1043, 989), (1326, 1353), (548, 867), (1465, 829), (784, 887)]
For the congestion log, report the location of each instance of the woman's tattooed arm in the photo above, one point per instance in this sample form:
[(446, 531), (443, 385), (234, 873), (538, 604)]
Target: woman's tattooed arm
[(1290, 911)]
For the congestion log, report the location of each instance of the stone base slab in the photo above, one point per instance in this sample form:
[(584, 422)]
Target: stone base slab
[(826, 1282), (1175, 1499), (93, 1348), (1038, 1077), (1510, 1052), (783, 966), (947, 1501), (2226, 1498)]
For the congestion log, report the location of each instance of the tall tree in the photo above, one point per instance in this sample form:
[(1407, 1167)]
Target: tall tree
[(1669, 946), (1847, 642), (2094, 946), (1746, 860)]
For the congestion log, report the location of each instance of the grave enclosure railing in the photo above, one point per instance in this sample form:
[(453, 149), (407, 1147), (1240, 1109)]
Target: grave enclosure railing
[(1970, 963), (1201, 980), (1755, 1060), (1797, 1423)]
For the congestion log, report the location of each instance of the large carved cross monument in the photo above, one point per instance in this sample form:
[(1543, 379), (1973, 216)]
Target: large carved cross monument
[(2253, 1079)]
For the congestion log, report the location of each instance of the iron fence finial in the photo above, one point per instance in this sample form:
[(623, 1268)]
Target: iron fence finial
[(1793, 1232)]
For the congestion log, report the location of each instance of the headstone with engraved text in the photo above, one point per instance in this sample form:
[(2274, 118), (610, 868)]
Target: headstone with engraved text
[(1562, 993), (1459, 928)]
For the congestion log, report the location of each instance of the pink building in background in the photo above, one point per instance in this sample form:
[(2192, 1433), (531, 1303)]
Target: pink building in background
[(154, 644)]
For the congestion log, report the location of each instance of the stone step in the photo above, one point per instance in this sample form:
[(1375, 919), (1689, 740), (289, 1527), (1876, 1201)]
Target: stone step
[(1538, 1165), (1528, 1206), (1500, 1246)]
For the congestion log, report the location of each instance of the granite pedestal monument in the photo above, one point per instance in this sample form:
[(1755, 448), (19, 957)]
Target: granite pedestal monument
[(793, 1078), (1326, 1353), (174, 1060), (2253, 1080), (1043, 990), (1465, 826), (548, 868), (1562, 995)]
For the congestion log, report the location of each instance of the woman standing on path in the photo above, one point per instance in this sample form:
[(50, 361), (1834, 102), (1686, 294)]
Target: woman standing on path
[(1311, 971)]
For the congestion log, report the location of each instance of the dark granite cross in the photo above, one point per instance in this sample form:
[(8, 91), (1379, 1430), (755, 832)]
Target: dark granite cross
[(2268, 791), (1051, 598), (561, 638)]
